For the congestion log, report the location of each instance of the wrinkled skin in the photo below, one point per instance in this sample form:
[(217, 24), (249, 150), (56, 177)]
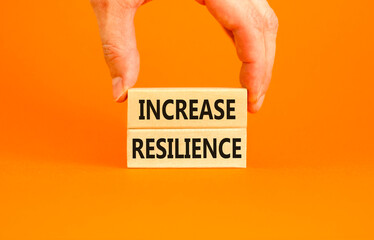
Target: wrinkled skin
[(252, 25)]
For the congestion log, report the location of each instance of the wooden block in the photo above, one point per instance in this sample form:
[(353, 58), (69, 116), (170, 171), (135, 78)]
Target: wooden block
[(187, 108), (186, 148)]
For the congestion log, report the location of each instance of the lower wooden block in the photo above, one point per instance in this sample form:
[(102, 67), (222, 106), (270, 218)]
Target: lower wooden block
[(186, 148)]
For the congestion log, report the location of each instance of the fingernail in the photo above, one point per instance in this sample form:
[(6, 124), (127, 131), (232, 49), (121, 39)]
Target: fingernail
[(255, 106), (119, 91)]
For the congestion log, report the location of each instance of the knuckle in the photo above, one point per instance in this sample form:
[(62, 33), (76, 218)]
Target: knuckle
[(257, 19), (271, 21), (122, 4), (111, 52), (100, 4)]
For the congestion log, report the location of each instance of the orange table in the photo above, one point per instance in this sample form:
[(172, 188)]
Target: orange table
[(62, 139)]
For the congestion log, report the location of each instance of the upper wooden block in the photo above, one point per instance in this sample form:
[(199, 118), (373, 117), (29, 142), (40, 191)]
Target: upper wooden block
[(187, 108)]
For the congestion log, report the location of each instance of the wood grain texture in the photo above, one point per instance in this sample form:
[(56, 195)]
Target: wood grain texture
[(158, 159), (211, 108)]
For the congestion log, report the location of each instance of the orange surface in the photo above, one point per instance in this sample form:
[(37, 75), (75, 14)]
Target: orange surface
[(62, 138)]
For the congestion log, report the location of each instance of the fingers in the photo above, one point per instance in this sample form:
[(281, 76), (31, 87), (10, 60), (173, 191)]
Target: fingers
[(254, 27), (116, 25), (256, 74)]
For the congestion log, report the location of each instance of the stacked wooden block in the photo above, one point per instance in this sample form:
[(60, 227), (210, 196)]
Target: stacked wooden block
[(187, 128)]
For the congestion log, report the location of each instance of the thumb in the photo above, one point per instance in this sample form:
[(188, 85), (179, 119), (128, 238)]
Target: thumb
[(116, 25)]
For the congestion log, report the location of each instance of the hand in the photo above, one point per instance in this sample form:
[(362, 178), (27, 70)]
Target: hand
[(251, 24)]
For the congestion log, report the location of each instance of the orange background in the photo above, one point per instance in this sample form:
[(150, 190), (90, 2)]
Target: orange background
[(62, 138)]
